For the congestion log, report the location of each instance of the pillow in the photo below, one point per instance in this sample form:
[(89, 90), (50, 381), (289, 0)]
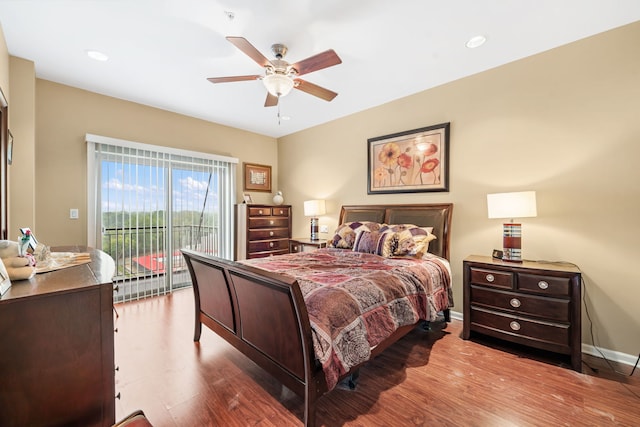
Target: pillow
[(345, 235), (404, 240), (413, 242), (366, 241)]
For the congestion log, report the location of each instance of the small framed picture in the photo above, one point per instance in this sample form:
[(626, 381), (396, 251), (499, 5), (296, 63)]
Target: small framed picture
[(247, 198), (257, 177)]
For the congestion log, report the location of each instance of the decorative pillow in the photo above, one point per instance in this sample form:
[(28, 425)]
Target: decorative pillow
[(366, 241), (345, 234), (387, 244), (404, 240), (413, 242)]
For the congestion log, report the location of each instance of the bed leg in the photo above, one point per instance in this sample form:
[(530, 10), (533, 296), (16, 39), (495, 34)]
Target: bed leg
[(353, 379), (447, 315)]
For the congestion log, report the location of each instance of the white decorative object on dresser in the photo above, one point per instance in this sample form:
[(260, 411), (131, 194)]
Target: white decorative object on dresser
[(262, 230)]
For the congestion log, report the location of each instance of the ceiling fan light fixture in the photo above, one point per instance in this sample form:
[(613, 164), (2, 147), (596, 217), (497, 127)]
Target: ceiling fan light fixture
[(278, 84)]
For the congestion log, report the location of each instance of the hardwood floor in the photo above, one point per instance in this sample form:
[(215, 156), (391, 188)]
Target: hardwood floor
[(429, 378)]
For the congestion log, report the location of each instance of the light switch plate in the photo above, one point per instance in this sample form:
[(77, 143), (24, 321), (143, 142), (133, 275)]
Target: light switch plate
[(73, 213), (324, 228)]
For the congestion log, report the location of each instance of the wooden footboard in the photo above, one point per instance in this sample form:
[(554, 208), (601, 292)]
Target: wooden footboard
[(238, 302)]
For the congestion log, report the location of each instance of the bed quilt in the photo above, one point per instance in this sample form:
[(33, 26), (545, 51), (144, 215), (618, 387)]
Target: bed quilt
[(356, 300)]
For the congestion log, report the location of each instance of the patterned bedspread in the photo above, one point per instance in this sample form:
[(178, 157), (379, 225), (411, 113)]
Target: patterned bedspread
[(356, 300)]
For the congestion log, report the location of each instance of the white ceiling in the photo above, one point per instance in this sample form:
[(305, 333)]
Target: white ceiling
[(161, 52)]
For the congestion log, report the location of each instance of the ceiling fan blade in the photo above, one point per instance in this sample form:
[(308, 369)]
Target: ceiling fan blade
[(271, 100), (249, 50), (233, 78), (315, 90), (317, 62)]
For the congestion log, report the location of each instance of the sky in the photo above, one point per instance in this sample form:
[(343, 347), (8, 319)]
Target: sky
[(142, 188)]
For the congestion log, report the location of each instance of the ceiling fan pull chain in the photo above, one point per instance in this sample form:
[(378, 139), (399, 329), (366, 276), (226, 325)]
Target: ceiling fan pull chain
[(278, 110)]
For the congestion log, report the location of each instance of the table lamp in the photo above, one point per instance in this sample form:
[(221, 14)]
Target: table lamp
[(314, 208), (512, 205)]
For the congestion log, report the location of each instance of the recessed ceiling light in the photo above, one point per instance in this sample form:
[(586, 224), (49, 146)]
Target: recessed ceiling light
[(97, 55), (476, 41)]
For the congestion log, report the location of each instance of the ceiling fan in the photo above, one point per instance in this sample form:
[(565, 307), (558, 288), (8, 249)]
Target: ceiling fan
[(280, 76)]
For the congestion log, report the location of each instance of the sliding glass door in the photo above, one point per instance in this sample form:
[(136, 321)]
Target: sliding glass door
[(151, 202)]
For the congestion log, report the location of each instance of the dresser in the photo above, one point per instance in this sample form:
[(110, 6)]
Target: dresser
[(262, 230), (536, 304), (56, 347)]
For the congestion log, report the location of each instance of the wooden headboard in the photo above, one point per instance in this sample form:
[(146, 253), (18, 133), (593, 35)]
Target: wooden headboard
[(437, 216)]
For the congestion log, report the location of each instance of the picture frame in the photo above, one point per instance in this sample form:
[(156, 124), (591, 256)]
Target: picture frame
[(412, 161), (257, 177), (247, 198), (5, 281)]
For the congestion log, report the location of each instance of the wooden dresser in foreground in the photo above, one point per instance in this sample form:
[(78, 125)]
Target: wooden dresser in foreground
[(262, 230), (56, 347), (536, 304)]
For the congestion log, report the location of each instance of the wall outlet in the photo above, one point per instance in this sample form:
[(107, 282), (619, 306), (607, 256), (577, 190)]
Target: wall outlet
[(324, 228), (73, 213)]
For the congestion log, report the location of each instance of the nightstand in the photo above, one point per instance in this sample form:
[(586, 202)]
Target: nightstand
[(536, 304), (306, 245)]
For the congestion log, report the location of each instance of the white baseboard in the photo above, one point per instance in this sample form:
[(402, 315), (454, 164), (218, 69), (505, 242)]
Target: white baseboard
[(611, 355), (456, 315)]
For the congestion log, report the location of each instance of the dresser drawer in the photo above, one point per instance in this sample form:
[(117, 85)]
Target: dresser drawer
[(546, 335), (263, 211), (494, 278), (544, 285), (268, 222), (268, 233), (280, 212), (268, 245), (552, 309), (268, 253)]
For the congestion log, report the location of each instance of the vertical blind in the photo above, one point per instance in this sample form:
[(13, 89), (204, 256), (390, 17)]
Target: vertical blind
[(147, 202)]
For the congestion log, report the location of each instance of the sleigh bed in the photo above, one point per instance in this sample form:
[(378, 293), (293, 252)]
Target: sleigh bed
[(281, 311)]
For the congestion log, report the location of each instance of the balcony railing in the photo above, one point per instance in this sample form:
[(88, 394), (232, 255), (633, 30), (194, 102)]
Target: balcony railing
[(142, 263)]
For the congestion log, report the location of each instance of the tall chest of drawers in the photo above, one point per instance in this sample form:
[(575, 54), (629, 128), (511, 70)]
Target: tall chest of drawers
[(536, 304), (262, 230)]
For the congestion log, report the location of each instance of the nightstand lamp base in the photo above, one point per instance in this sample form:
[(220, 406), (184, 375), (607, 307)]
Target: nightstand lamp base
[(512, 242)]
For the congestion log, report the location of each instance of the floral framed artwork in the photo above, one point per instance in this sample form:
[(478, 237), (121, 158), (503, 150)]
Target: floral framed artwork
[(257, 177), (413, 161)]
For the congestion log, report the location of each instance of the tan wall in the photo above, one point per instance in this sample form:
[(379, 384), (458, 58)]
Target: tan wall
[(565, 123), (65, 114), (4, 65), (22, 177)]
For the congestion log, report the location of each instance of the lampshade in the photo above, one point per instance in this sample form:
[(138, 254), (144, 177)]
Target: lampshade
[(512, 205), (278, 84), (314, 208)]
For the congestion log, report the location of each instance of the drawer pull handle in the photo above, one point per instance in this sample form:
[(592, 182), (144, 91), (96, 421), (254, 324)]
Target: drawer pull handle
[(515, 325), (271, 233), (281, 212), (271, 222), (260, 211), (490, 278), (542, 284), (515, 302), (270, 244)]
